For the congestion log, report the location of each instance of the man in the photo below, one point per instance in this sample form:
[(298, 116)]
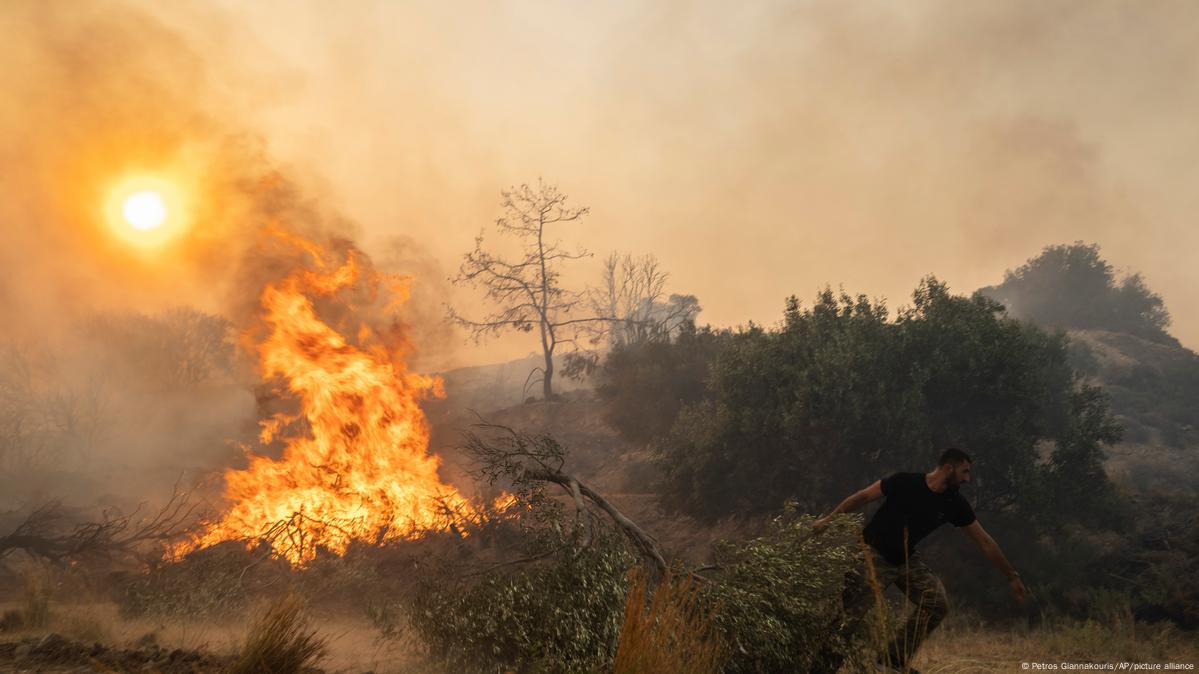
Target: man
[(915, 505)]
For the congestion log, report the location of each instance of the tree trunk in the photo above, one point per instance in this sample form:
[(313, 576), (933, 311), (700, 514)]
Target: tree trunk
[(547, 378)]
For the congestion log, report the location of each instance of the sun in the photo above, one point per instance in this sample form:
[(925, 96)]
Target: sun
[(145, 210)]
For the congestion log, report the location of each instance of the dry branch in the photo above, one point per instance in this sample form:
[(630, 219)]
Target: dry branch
[(528, 460), (645, 544), (56, 533)]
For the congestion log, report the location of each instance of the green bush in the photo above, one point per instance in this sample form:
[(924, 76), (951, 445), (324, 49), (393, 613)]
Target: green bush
[(560, 615), (777, 598), (842, 395), (1155, 398), (774, 602), (645, 384), (211, 582), (1071, 286)]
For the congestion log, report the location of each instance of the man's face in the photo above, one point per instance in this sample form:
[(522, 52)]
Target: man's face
[(959, 474)]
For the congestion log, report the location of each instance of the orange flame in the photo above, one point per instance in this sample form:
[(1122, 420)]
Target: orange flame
[(362, 470)]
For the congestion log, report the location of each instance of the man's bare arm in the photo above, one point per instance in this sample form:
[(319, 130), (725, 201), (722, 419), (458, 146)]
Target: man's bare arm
[(990, 548), (853, 502)]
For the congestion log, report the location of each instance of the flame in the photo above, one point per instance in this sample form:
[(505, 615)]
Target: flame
[(361, 470)]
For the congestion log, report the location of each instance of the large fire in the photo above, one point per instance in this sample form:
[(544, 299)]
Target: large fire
[(358, 468)]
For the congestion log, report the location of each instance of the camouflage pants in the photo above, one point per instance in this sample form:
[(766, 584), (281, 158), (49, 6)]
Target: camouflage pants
[(922, 587)]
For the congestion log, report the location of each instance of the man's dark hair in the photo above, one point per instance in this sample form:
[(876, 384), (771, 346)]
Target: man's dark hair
[(953, 455)]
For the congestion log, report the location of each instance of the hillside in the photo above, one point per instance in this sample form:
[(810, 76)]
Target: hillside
[(1154, 393), (497, 385)]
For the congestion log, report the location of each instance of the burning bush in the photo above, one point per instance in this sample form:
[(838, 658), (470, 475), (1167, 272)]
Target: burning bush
[(355, 464)]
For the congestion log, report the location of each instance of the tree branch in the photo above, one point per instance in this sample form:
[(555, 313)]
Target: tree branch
[(645, 544)]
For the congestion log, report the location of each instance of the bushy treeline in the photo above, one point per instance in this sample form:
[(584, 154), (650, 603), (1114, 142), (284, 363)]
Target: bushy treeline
[(1154, 388), (841, 393), (1073, 287), (169, 351)]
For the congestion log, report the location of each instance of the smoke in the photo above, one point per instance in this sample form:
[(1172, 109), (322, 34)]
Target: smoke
[(757, 151), (123, 366), (769, 148)]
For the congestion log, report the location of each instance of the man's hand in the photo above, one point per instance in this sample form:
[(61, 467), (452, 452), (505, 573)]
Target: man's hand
[(975, 532), (820, 524), (1018, 590)]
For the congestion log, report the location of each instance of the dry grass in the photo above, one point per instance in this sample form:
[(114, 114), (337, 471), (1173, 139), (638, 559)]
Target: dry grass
[(85, 627), (33, 611), (974, 648), (666, 630), (35, 604), (281, 642), (967, 645)]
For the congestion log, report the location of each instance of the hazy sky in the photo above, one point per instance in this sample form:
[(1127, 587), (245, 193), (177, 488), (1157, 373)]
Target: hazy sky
[(758, 149)]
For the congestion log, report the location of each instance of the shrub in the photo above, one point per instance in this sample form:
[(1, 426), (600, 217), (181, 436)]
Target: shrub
[(645, 384), (211, 582), (779, 596), (559, 615)]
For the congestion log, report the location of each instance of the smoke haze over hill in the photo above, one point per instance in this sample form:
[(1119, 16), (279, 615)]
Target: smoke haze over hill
[(757, 151), (764, 149)]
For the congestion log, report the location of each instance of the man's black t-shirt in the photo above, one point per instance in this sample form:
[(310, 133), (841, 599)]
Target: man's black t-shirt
[(911, 505)]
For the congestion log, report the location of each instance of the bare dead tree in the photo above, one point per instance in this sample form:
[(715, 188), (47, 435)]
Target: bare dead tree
[(44, 413), (176, 349), (526, 460), (200, 343), (59, 534), (633, 293), (527, 290)]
